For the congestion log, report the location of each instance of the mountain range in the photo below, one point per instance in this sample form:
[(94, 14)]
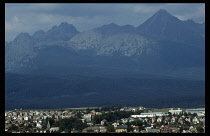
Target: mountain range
[(163, 47)]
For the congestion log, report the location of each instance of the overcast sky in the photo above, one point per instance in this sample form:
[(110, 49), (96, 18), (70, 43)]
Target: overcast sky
[(22, 17)]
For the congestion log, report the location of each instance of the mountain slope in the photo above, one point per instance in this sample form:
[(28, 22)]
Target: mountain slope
[(153, 47), (164, 26), (159, 63), (63, 32), (22, 49), (47, 91)]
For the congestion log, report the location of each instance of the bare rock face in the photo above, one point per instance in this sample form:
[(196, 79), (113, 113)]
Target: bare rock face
[(162, 40), (63, 32), (24, 47), (163, 26), (111, 39), (16, 50)]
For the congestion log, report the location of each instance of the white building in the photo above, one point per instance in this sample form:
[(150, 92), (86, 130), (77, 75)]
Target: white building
[(25, 118), (200, 112), (38, 125), (54, 129), (175, 111), (150, 114)]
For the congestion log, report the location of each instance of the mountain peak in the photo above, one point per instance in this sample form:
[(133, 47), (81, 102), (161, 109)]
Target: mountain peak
[(65, 24), (108, 29), (160, 17), (22, 36), (39, 32), (162, 13), (64, 27), (111, 25), (191, 21)]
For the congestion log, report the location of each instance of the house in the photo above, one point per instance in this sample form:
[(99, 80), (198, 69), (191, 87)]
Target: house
[(130, 119), (175, 130), (146, 120), (98, 113), (159, 119), (83, 120), (124, 120), (151, 130), (191, 128), (88, 117), (187, 119), (186, 131), (135, 129), (56, 120), (143, 131), (181, 120), (71, 115), (176, 112), (141, 108), (54, 129), (154, 119), (173, 119), (103, 129), (195, 120), (165, 131), (38, 125), (201, 118), (115, 124), (90, 124), (95, 129), (121, 129), (103, 122), (75, 131)]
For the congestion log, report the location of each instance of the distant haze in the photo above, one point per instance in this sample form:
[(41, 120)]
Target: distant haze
[(32, 17)]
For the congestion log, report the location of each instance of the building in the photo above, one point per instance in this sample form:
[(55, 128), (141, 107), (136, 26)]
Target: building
[(38, 125), (48, 125), (103, 122), (121, 129), (173, 111), (200, 112), (150, 114), (151, 130), (95, 129), (54, 129)]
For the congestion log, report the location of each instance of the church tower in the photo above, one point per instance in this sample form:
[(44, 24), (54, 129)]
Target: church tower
[(48, 125)]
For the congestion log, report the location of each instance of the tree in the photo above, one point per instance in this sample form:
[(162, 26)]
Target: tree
[(67, 124), (97, 119), (137, 123), (88, 110), (194, 114), (141, 128), (57, 124), (13, 128), (169, 114), (111, 128), (130, 129), (200, 129), (79, 125), (79, 114)]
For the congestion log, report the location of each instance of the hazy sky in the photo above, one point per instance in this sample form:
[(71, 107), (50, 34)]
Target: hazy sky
[(22, 17)]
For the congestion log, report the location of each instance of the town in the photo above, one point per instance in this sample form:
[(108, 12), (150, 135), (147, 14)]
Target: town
[(106, 119)]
